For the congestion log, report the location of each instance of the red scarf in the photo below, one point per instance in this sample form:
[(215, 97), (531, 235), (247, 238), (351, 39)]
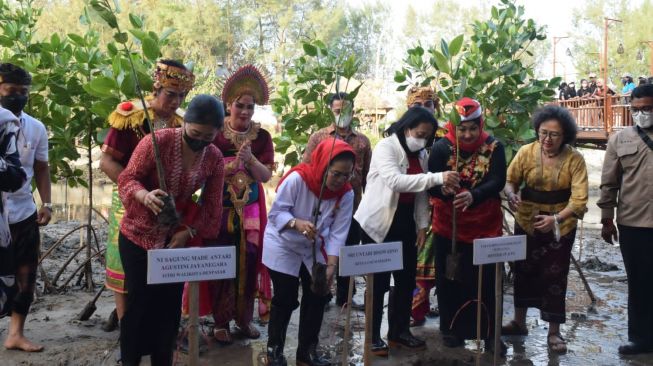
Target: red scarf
[(471, 147), (313, 172)]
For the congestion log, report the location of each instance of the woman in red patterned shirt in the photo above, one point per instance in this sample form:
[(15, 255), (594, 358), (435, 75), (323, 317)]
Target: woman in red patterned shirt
[(190, 161)]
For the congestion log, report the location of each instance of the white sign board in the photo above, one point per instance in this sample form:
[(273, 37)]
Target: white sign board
[(191, 264), (501, 249), (370, 258)]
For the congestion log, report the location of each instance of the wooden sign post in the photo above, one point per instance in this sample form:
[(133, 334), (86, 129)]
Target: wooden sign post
[(191, 265), (367, 260), (497, 251)]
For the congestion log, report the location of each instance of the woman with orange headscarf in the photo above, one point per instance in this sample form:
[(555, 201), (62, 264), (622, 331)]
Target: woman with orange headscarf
[(290, 236)]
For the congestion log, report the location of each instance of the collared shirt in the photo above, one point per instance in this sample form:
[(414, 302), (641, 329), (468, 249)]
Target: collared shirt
[(627, 180), (32, 143), (286, 249), (362, 147)]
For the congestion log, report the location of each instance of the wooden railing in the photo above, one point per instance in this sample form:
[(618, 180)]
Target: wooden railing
[(589, 113)]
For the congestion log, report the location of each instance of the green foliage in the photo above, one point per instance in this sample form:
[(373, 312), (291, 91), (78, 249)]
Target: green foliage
[(635, 27), (76, 82), (489, 67), (303, 100)]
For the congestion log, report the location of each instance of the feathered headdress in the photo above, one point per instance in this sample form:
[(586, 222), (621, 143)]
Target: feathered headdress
[(247, 80), (169, 76)]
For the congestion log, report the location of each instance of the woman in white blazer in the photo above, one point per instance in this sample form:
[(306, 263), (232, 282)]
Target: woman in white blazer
[(395, 208)]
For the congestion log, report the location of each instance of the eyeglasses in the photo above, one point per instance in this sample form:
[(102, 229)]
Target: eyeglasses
[(427, 104), (340, 175), (244, 106), (553, 135), (648, 108)]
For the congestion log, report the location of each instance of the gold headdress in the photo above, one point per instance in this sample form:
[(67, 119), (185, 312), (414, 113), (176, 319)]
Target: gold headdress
[(168, 76), (247, 80), (421, 92)]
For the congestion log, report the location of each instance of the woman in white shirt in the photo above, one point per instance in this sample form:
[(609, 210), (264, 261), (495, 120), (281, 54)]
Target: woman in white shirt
[(288, 245), (395, 208)]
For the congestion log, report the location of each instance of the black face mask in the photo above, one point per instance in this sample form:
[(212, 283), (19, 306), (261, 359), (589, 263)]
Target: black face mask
[(195, 144), (14, 102)]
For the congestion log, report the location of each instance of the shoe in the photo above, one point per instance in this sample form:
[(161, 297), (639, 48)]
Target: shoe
[(452, 341), (514, 329), (489, 347), (556, 343), (633, 348), (407, 340), (223, 335), (111, 323), (308, 356), (249, 331), (379, 348), (275, 357)]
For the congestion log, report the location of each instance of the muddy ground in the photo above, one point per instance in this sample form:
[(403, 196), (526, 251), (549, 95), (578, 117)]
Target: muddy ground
[(593, 336)]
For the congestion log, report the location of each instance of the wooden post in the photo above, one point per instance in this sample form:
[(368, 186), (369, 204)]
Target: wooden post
[(193, 325), (345, 341), (498, 310), (478, 315), (369, 298)]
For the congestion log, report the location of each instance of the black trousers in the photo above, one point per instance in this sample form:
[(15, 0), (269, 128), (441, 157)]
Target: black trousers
[(400, 300), (151, 320), (284, 302), (26, 243), (637, 251), (458, 299), (353, 238)]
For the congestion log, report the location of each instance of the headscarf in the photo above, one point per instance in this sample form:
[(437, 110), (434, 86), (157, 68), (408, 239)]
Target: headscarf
[(170, 76), (468, 109), (421, 92), (313, 172)]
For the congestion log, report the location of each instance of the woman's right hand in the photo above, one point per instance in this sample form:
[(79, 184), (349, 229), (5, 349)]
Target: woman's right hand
[(451, 179), (152, 201), (513, 201), (305, 228)]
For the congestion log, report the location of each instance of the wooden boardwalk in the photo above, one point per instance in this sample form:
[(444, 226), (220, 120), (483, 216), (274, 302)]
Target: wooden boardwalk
[(594, 128)]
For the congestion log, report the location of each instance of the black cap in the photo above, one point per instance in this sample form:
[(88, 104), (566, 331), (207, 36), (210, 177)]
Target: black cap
[(12, 74), (205, 109)]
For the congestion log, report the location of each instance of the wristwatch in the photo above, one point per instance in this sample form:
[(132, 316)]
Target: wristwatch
[(292, 222), (47, 205)]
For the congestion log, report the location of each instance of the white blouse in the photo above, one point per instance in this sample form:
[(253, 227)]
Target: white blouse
[(284, 250)]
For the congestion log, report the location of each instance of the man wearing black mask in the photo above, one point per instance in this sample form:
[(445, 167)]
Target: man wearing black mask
[(24, 218)]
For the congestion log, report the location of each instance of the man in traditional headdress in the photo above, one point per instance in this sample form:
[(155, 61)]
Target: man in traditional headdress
[(172, 82), (342, 129), (249, 162), (24, 217)]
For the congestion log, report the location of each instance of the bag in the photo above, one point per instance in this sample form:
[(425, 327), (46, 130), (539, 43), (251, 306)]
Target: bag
[(452, 268)]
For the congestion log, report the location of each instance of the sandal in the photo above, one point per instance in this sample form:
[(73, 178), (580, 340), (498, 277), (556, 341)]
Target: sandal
[(513, 329), (223, 335), (249, 331), (557, 346)]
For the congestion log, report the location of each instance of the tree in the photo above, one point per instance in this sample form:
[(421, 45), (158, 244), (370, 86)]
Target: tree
[(635, 28), (302, 101), (491, 68)]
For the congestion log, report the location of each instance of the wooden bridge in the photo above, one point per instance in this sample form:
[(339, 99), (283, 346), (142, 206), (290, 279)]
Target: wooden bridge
[(593, 128)]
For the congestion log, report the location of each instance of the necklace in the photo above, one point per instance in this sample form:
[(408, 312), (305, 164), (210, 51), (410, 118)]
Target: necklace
[(550, 156), (237, 138)]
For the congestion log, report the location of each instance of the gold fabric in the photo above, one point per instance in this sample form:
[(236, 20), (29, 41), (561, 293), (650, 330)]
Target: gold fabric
[(570, 172), (420, 92)]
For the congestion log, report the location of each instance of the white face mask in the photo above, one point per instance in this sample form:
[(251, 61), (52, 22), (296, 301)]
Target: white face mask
[(414, 144), (643, 119), (343, 120)]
